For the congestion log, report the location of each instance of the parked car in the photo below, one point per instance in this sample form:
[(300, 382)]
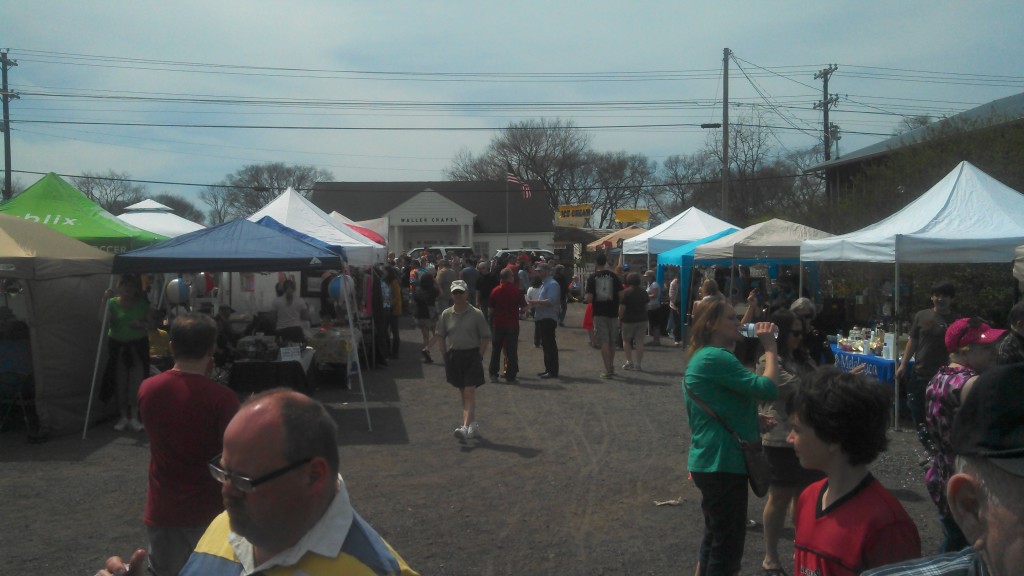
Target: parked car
[(437, 252), (514, 252)]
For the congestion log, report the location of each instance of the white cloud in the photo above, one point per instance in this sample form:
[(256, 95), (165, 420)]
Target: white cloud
[(459, 37)]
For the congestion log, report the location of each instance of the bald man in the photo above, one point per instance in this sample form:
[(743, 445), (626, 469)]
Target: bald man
[(286, 506)]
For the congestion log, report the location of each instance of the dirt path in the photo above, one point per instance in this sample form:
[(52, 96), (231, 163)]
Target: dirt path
[(562, 482)]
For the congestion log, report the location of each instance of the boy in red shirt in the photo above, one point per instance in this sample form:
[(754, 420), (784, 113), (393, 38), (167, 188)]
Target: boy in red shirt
[(847, 522)]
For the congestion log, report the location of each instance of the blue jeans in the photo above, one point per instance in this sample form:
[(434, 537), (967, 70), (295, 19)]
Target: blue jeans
[(507, 339), (724, 503)]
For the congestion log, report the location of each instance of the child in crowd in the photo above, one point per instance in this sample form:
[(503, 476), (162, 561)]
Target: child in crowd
[(847, 522)]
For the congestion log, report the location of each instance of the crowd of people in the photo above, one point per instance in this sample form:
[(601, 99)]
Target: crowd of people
[(255, 487), (820, 428)]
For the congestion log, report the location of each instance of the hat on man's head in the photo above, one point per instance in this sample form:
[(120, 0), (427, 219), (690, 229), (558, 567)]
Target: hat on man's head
[(967, 331), (459, 286), (542, 266), (650, 273), (990, 423)]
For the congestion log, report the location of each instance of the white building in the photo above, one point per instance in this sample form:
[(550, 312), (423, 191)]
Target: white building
[(487, 216)]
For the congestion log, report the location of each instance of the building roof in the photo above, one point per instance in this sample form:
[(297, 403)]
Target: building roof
[(994, 113), (486, 200)]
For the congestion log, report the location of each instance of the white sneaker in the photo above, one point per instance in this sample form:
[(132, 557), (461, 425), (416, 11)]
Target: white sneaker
[(627, 366), (462, 433), (135, 425), (121, 425), (473, 430)]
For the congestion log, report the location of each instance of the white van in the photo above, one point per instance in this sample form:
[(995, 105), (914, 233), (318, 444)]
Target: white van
[(437, 252)]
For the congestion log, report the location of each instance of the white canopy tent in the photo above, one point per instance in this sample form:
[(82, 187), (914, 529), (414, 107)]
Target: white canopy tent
[(155, 217), (369, 228), (687, 226), (298, 213), (967, 217), (775, 239), (771, 240)]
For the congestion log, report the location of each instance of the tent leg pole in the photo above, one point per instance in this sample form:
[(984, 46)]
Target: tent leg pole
[(896, 382), (96, 366), (350, 302)]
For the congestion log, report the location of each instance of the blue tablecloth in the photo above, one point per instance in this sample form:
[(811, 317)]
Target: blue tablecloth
[(884, 370)]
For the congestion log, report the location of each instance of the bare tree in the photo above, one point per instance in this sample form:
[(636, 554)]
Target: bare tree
[(621, 181), (216, 198), (551, 152), (181, 207), (252, 187), (112, 191), (908, 123), (690, 180)]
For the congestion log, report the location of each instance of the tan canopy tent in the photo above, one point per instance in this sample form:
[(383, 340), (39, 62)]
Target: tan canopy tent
[(63, 282), (623, 234)]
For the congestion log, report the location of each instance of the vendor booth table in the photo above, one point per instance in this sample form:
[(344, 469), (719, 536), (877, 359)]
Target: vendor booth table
[(252, 375), (882, 369)]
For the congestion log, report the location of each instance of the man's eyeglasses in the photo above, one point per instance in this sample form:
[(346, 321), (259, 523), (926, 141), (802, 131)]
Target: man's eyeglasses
[(245, 484)]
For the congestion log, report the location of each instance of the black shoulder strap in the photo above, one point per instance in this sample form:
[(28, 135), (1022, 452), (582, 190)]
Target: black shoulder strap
[(712, 412)]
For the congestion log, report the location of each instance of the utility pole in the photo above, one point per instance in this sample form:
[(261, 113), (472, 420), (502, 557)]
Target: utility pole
[(826, 103), (726, 53), (7, 96)]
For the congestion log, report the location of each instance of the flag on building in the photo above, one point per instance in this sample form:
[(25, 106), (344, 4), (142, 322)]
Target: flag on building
[(511, 177)]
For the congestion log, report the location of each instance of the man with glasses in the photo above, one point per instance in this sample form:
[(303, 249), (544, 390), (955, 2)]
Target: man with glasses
[(287, 509), (185, 414)]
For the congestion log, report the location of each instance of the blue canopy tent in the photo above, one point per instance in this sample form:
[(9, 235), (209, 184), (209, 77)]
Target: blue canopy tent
[(682, 256), (236, 246)]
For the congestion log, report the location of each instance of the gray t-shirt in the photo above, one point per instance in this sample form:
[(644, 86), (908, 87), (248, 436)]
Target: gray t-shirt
[(463, 331)]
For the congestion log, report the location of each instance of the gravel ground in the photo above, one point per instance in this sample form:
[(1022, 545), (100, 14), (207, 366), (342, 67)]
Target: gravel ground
[(563, 480)]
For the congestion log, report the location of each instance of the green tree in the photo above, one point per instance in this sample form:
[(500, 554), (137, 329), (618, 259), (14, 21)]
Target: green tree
[(252, 187)]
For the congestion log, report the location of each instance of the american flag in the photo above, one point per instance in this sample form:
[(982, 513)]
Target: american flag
[(511, 177)]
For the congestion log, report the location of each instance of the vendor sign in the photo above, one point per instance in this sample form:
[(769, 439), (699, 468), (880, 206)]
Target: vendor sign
[(573, 216), (632, 215)]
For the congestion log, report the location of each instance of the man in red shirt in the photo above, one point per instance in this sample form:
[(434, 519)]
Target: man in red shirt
[(185, 414), (505, 303)]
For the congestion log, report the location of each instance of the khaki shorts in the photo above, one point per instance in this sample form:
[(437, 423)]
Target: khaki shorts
[(606, 329), (634, 331)]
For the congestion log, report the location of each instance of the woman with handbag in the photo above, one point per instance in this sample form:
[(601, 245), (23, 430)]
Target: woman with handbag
[(721, 405)]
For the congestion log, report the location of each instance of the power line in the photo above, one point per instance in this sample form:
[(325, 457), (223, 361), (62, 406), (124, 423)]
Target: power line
[(488, 190), (394, 128)]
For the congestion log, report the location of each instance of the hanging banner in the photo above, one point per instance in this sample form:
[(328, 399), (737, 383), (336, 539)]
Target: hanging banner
[(573, 216), (632, 215)]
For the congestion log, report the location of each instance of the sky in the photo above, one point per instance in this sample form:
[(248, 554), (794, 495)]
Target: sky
[(392, 91)]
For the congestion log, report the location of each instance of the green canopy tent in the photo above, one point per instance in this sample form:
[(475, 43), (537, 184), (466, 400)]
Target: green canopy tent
[(58, 205)]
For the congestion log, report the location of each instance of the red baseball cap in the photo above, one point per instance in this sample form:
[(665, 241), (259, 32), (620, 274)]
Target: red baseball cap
[(967, 331)]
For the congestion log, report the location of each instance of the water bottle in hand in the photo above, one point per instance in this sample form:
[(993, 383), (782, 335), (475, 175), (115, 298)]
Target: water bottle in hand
[(750, 331)]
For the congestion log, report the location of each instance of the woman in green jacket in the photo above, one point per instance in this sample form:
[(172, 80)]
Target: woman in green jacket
[(716, 376)]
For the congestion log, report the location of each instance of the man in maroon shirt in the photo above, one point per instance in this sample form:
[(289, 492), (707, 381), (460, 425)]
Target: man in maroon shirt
[(185, 414), (505, 303)]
